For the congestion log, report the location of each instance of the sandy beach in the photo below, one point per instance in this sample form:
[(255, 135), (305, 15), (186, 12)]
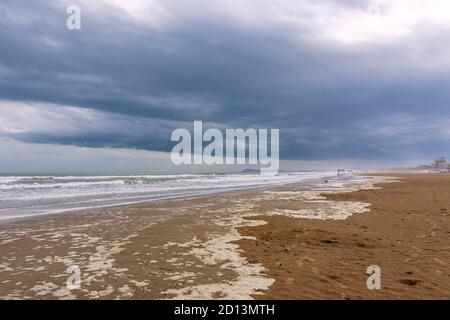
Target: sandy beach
[(406, 233), (312, 240)]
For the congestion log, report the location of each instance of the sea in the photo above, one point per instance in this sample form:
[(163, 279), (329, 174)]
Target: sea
[(23, 196)]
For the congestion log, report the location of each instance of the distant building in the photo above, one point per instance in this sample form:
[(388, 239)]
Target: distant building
[(441, 164)]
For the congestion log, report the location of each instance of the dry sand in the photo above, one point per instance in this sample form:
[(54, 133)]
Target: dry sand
[(245, 245), (406, 233)]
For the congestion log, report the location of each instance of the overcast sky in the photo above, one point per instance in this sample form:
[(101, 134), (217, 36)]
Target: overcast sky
[(342, 80)]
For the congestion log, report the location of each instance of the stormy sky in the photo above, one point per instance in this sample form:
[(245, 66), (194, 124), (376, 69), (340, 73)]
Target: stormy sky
[(340, 79)]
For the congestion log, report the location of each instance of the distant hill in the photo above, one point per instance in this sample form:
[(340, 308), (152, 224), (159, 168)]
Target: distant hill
[(251, 171)]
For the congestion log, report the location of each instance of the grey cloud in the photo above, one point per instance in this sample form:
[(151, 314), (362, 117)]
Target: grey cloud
[(202, 67)]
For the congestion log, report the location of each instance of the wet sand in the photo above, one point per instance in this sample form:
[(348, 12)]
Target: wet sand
[(254, 244)]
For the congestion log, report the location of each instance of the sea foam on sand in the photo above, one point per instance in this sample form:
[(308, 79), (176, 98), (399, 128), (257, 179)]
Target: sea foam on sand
[(252, 278)]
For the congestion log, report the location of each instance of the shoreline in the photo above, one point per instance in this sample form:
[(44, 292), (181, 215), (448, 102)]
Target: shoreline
[(171, 243), (201, 248), (89, 210)]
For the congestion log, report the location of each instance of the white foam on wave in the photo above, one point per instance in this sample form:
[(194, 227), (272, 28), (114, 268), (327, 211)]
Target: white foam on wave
[(29, 196)]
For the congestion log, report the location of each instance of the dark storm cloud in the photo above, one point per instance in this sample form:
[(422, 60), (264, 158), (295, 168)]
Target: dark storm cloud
[(328, 98)]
